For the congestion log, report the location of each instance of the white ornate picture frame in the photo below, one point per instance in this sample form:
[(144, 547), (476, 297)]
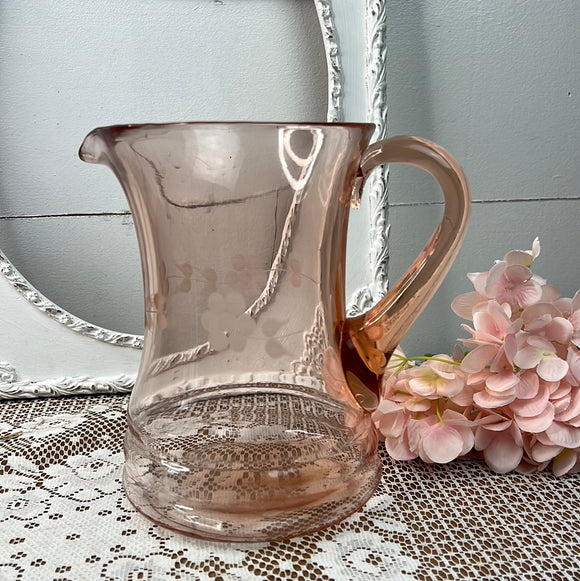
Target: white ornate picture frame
[(47, 351)]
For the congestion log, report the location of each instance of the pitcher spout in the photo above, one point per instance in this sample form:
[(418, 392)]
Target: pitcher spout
[(93, 147)]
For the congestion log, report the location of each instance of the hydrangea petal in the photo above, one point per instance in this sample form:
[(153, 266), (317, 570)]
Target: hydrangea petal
[(552, 368), (424, 386), (385, 407), (503, 454), (572, 408), (534, 406), (550, 294), (559, 330), (485, 400), (544, 439), (536, 424), (450, 388), (511, 346), (502, 381), (543, 453), (526, 467), (564, 435), (398, 449), (389, 418), (465, 430), (444, 374), (540, 343), (477, 359), (576, 301), (464, 398), (463, 305), (566, 461), (441, 444), (559, 390), (540, 312), (415, 430), (573, 360), (528, 386), (521, 257), (483, 438), (494, 278), (418, 405), (393, 425), (494, 422), (536, 248), (513, 284), (527, 293), (525, 257), (528, 357), (398, 425)]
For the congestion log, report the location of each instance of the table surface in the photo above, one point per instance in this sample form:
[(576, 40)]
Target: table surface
[(63, 515)]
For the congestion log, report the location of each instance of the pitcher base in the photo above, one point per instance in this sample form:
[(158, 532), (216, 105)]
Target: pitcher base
[(255, 466)]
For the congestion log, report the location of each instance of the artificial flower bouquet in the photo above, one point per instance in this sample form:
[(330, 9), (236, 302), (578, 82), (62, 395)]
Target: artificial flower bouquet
[(512, 396)]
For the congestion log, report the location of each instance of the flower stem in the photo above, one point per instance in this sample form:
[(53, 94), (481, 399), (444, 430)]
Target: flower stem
[(430, 358), (438, 411), (404, 361)]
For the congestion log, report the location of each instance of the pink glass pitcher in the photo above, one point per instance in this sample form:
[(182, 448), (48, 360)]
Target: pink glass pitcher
[(251, 415)]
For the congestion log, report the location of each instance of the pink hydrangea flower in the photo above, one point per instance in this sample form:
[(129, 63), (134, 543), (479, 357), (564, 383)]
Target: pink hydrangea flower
[(546, 320), (441, 439), (509, 281), (514, 398), (514, 285), (538, 353), (492, 325), (436, 378)]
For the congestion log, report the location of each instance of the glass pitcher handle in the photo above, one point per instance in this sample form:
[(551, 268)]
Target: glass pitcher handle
[(375, 334)]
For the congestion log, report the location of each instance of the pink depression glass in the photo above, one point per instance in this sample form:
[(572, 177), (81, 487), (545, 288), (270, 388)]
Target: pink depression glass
[(250, 418)]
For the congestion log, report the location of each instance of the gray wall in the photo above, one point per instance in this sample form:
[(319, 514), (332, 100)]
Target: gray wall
[(495, 81)]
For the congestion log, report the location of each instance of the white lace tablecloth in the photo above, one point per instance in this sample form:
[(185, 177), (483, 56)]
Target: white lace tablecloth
[(63, 516)]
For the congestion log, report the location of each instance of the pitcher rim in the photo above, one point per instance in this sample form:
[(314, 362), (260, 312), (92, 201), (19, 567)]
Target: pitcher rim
[(273, 124)]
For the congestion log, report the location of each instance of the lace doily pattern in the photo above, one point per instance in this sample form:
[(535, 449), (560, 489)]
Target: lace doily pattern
[(64, 516)]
